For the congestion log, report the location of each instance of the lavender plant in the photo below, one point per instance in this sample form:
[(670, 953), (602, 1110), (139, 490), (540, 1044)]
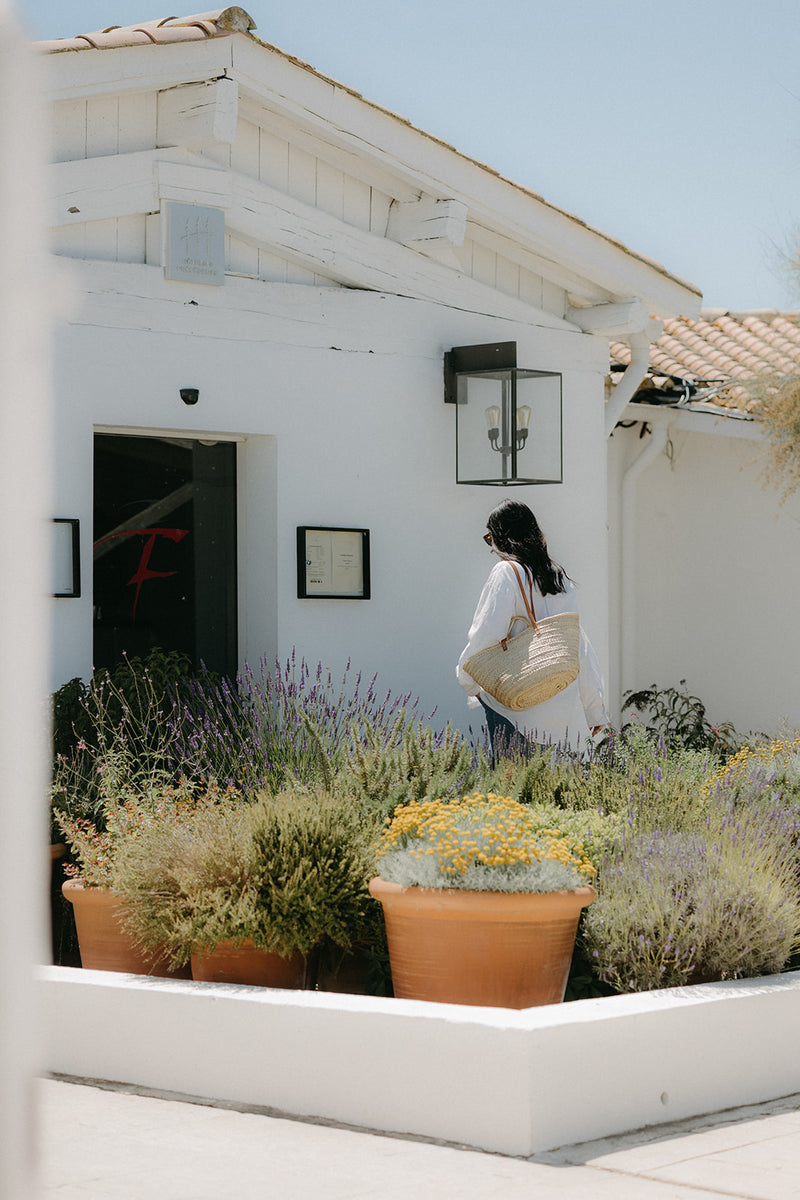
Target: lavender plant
[(281, 724), (125, 746), (716, 899)]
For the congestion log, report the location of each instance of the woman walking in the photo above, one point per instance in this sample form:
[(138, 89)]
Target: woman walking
[(513, 534)]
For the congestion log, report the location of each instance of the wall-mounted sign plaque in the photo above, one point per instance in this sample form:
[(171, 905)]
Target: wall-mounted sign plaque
[(195, 243), (66, 557), (332, 564)]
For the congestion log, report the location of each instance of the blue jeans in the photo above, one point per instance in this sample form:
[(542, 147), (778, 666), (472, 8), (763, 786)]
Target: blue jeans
[(503, 736)]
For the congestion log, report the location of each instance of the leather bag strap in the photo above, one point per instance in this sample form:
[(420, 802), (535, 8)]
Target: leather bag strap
[(528, 604)]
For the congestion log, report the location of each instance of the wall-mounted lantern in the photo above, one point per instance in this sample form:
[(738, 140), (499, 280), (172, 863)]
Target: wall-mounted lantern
[(508, 419)]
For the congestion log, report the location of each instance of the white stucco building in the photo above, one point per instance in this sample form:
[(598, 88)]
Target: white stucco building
[(283, 367), (703, 557)]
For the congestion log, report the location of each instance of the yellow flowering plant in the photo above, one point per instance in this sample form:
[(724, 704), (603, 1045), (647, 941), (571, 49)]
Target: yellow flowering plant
[(484, 843), (774, 758)]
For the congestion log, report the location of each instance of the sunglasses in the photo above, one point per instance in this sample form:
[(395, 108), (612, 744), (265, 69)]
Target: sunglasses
[(487, 537)]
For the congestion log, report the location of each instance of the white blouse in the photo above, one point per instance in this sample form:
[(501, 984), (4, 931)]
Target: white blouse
[(556, 719)]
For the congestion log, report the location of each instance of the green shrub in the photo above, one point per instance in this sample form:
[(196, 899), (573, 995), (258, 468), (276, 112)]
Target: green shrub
[(289, 872), (133, 805), (281, 725), (409, 762), (679, 719), (72, 722)]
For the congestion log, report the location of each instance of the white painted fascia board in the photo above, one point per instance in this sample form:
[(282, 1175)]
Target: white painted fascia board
[(695, 422), (72, 74)]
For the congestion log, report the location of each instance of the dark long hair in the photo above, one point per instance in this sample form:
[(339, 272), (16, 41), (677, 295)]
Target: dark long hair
[(515, 532)]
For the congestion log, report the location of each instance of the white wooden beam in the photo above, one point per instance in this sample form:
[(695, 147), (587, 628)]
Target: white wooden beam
[(121, 185), (121, 295), (327, 246), (193, 183), (198, 115), (323, 142), (124, 185), (611, 320), (434, 227), (94, 189)]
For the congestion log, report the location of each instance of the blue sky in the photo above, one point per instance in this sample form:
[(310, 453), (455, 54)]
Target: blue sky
[(675, 128)]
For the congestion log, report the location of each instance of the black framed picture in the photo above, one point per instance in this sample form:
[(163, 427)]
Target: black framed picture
[(332, 563)]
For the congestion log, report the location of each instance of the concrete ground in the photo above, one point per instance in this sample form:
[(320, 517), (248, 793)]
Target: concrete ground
[(98, 1144)]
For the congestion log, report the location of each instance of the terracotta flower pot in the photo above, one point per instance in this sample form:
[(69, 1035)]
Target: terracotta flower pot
[(245, 963), (103, 943), (510, 950)]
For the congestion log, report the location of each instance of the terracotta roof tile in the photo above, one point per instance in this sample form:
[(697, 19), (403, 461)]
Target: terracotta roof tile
[(219, 23), (716, 353)]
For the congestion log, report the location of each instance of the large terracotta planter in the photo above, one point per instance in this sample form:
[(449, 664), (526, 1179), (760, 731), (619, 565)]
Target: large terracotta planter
[(104, 945), (489, 948), (245, 963)]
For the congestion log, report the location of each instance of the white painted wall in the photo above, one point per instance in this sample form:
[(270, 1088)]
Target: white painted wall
[(337, 399), (717, 574)]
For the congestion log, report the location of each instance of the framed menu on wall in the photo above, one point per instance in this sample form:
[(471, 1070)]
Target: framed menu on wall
[(332, 563)]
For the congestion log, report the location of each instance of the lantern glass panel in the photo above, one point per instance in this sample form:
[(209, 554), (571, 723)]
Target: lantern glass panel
[(508, 427), (539, 460), (477, 460)]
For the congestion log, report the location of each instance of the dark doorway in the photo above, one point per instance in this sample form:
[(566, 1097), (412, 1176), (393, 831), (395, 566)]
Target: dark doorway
[(165, 549)]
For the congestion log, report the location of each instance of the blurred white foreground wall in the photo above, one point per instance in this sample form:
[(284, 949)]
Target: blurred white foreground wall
[(25, 425)]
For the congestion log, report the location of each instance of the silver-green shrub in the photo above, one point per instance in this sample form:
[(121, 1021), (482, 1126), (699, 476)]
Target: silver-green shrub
[(678, 907)]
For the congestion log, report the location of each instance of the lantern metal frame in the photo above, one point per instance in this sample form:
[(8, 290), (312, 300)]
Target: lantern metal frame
[(508, 423)]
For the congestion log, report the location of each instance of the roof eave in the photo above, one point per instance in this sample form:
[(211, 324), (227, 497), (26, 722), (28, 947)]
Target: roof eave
[(301, 92)]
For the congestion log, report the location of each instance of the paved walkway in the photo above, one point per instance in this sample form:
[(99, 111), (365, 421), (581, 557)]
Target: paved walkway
[(110, 1145)]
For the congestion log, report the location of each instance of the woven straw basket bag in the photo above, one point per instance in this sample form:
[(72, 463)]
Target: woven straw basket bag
[(532, 666)]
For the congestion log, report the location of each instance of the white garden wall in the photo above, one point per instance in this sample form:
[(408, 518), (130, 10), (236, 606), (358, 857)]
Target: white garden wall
[(495, 1079), (716, 572)]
